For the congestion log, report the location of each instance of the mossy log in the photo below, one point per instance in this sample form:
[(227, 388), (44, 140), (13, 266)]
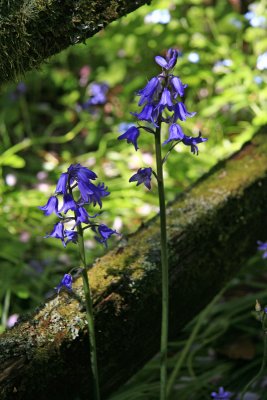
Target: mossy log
[(212, 229), (32, 31)]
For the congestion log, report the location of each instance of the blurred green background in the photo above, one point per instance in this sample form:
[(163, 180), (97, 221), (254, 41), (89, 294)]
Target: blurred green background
[(44, 127)]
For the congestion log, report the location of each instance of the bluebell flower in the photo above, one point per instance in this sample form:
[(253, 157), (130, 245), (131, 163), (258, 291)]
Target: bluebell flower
[(71, 236), (149, 91), (86, 189), (262, 246), (131, 135), (193, 141), (175, 133), (51, 206), (68, 203), (143, 175), (178, 86), (62, 183), (66, 282), (221, 395), (81, 216), (180, 112), (170, 60), (99, 191), (104, 233), (147, 113), (57, 232), (165, 100), (78, 172)]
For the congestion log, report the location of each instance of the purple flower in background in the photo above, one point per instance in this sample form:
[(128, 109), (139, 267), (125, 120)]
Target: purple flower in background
[(66, 282), (143, 175), (262, 246), (104, 233), (98, 92), (20, 90), (193, 141), (131, 135), (221, 395), (51, 206), (12, 320)]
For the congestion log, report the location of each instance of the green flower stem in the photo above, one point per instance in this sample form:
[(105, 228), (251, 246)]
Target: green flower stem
[(89, 313), (263, 363), (164, 266)]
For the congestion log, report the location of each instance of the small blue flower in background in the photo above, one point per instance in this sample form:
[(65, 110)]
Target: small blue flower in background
[(158, 17), (65, 282), (262, 246), (221, 395), (143, 175), (257, 21), (76, 179)]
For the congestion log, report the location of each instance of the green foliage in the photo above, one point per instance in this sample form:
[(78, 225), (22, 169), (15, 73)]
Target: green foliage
[(226, 346)]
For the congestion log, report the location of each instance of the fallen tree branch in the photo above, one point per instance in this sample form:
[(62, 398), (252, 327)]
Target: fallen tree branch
[(212, 230), (32, 31)]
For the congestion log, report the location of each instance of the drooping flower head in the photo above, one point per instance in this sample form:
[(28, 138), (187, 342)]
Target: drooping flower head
[(66, 282), (77, 190), (161, 101), (143, 175)]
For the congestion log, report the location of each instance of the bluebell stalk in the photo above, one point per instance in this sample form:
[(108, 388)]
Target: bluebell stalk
[(161, 103), (78, 191)]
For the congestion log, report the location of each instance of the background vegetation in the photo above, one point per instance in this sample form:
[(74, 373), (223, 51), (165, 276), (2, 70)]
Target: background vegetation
[(44, 127)]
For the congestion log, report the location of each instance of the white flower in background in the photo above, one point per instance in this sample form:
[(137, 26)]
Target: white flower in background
[(262, 61), (158, 17), (193, 57)]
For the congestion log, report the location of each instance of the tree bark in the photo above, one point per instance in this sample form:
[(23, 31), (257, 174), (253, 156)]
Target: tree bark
[(31, 31), (212, 229)]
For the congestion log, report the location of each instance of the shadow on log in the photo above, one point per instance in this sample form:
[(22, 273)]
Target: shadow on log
[(32, 31), (212, 230)]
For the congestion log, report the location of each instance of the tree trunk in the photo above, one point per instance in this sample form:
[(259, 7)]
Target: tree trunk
[(212, 230), (32, 31)]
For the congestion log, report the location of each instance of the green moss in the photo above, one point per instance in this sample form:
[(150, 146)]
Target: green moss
[(32, 31)]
